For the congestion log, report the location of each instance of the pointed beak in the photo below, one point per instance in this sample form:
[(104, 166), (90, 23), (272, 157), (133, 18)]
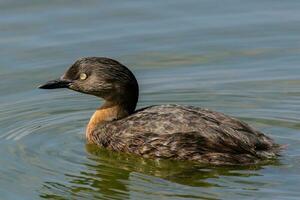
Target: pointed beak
[(54, 84)]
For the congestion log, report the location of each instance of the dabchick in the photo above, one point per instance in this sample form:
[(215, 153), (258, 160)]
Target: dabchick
[(160, 131)]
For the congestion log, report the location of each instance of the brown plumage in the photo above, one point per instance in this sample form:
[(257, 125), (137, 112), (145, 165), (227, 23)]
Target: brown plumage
[(165, 131)]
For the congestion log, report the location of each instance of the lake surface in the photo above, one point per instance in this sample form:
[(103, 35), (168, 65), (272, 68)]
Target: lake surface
[(237, 57)]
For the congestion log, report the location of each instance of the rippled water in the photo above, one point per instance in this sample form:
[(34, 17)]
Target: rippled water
[(238, 57)]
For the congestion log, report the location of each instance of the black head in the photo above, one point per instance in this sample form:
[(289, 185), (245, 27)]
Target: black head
[(102, 77)]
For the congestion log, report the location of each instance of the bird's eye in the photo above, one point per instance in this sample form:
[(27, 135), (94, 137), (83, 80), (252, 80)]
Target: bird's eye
[(83, 76)]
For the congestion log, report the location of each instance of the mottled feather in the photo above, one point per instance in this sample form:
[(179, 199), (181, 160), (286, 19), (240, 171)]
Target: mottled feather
[(186, 133)]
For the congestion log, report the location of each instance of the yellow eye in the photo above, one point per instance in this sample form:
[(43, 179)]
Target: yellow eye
[(83, 76)]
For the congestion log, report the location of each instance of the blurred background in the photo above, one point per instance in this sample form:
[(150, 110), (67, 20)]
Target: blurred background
[(238, 57)]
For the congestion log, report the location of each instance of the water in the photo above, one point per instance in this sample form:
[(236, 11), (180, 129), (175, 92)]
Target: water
[(238, 57)]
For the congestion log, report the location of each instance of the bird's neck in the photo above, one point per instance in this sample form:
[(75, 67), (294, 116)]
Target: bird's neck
[(107, 112)]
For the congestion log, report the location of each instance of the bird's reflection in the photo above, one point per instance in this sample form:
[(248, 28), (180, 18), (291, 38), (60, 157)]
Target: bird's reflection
[(107, 175)]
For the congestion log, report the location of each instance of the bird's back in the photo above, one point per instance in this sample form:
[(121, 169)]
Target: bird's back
[(186, 133)]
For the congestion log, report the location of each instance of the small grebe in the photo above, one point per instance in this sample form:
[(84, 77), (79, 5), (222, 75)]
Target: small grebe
[(165, 131)]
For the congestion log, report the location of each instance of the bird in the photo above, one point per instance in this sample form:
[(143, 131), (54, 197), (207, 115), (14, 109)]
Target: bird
[(171, 131)]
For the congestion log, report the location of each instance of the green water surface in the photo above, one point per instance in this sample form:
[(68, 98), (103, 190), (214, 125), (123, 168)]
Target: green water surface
[(237, 57)]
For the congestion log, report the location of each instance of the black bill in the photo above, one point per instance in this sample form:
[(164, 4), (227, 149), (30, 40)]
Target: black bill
[(54, 84)]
